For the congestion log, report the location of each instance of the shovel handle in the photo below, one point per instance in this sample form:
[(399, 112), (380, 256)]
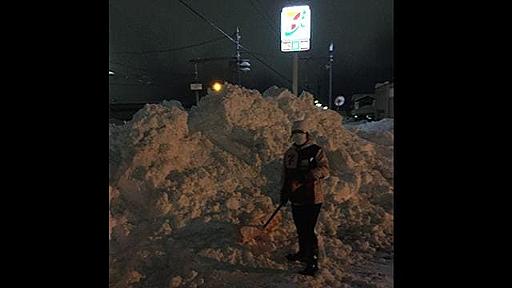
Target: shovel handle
[(273, 214)]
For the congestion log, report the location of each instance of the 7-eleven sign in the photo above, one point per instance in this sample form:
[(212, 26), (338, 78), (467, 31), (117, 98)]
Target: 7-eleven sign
[(295, 28)]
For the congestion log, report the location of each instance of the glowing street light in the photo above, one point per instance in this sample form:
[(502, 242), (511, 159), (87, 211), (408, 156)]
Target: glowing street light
[(217, 86)]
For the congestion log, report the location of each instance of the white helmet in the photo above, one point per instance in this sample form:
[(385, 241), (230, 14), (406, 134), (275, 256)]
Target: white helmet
[(300, 126)]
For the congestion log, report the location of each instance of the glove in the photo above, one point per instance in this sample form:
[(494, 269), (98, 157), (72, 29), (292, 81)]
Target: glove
[(294, 185), (310, 177)]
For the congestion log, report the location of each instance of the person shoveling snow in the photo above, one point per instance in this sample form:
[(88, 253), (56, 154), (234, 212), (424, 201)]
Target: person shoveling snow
[(304, 165)]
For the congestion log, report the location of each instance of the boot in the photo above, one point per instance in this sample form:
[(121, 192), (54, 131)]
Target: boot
[(311, 267), (295, 257)]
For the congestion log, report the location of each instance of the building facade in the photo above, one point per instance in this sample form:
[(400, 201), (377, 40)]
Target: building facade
[(384, 104)]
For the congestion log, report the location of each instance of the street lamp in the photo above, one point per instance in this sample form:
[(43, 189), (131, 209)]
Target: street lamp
[(217, 86), (331, 60)]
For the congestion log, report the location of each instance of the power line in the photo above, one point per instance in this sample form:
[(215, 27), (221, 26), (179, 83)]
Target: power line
[(145, 71), (269, 55), (208, 21), (170, 49), (147, 85), (270, 67), (307, 58), (267, 15), (269, 20), (272, 28), (129, 66), (234, 41), (131, 85)]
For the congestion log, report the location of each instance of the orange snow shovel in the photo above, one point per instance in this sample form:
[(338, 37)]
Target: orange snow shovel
[(249, 233)]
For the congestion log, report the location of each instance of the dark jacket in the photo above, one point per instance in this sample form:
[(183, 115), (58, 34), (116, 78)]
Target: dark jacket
[(303, 167)]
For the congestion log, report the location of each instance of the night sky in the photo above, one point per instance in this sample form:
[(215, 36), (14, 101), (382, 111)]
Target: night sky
[(148, 46)]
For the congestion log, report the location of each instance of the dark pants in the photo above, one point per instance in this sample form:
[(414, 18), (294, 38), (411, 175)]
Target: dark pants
[(305, 218)]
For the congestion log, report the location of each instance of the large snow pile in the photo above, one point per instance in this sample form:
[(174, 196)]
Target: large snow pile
[(182, 184), (380, 132)]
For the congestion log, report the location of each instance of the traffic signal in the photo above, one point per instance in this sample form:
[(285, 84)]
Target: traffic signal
[(244, 65)]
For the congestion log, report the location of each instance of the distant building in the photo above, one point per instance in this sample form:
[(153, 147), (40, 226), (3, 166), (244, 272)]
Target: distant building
[(375, 106), (364, 106), (384, 94)]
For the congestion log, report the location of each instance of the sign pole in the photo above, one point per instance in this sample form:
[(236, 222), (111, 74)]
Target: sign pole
[(295, 36), (295, 73)]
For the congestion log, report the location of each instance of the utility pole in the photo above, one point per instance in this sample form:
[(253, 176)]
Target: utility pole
[(196, 79), (242, 65), (295, 74), (331, 60), (237, 55), (306, 78)]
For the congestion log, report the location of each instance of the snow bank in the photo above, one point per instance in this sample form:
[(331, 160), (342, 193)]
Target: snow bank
[(182, 184)]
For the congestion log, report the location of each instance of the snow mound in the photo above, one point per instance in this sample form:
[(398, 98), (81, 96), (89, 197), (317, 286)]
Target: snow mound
[(183, 184)]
